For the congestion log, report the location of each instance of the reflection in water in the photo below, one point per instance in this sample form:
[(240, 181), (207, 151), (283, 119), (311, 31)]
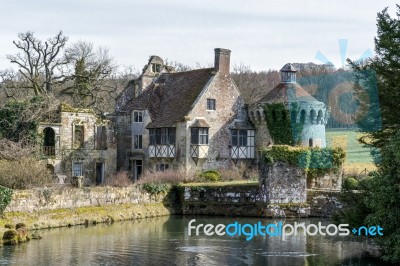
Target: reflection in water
[(165, 241)]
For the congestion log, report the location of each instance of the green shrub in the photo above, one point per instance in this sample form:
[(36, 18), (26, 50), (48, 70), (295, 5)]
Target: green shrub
[(156, 188), (350, 183), (211, 176)]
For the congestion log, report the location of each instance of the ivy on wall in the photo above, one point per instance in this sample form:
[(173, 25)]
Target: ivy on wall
[(5, 197), (282, 126), (278, 123), (315, 161)]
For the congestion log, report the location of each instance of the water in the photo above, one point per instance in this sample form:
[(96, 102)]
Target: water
[(165, 241)]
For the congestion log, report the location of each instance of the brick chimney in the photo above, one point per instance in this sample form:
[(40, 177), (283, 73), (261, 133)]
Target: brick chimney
[(222, 60)]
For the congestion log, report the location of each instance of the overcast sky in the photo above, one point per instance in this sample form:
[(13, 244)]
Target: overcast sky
[(262, 34)]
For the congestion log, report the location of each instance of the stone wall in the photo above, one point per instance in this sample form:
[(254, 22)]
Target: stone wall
[(249, 200), (283, 183), (328, 181), (226, 200), (323, 203), (42, 199)]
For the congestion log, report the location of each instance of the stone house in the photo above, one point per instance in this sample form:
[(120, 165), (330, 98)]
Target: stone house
[(192, 120), (79, 144), (304, 110)]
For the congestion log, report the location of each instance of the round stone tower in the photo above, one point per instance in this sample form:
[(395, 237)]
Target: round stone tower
[(308, 114)]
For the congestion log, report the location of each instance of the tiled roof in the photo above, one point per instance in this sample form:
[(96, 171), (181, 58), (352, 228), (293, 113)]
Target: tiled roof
[(170, 97), (288, 68), (287, 92)]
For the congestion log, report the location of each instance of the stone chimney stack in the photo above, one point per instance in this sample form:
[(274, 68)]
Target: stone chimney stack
[(222, 60)]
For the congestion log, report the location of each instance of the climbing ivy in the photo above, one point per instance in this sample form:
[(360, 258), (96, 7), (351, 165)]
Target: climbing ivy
[(282, 126), (5, 197), (278, 123)]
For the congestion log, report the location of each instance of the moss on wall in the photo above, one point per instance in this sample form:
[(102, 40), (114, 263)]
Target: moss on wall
[(315, 161)]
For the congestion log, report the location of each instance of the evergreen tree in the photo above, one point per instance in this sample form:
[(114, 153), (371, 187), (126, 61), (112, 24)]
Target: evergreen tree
[(379, 200)]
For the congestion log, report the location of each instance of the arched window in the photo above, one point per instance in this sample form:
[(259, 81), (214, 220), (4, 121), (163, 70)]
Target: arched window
[(312, 116), (252, 115), (293, 116), (310, 142), (258, 115), (49, 142), (319, 117), (302, 116)]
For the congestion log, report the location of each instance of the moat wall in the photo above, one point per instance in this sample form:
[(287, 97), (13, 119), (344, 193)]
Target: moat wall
[(249, 200), (57, 207)]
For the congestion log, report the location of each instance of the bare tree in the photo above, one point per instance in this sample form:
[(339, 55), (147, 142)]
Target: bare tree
[(91, 72), (254, 85), (39, 62)]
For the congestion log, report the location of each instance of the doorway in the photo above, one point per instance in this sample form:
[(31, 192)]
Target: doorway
[(99, 173)]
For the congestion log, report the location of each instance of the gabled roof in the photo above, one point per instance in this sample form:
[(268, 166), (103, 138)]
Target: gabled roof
[(170, 97), (288, 92)]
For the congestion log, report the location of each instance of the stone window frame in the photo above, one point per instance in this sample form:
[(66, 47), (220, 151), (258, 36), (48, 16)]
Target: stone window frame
[(77, 172), (199, 136), (138, 116), (211, 104), (156, 68), (75, 126), (101, 144), (138, 142)]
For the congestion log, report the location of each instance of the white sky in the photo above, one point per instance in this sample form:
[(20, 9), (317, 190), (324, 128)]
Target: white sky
[(263, 34)]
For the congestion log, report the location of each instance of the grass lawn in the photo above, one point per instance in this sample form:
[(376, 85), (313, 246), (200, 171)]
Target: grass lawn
[(358, 157)]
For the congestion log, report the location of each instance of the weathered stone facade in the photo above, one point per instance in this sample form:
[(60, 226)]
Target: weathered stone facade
[(80, 144), (184, 120), (284, 183)]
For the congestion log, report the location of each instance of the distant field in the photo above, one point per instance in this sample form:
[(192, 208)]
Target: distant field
[(358, 157)]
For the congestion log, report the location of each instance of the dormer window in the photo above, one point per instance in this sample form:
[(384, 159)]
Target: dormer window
[(211, 104), (137, 116), (156, 68)]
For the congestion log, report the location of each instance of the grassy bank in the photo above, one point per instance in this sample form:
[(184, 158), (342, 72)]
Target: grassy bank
[(84, 215), (358, 157)]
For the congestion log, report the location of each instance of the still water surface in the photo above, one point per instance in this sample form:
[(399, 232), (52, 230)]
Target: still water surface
[(165, 241)]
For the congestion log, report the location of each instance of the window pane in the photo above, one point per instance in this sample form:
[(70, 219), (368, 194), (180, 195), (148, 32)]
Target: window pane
[(234, 137), (210, 104), (152, 133), (164, 135), (138, 117), (158, 136), (171, 136), (242, 137), (77, 169), (194, 135)]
